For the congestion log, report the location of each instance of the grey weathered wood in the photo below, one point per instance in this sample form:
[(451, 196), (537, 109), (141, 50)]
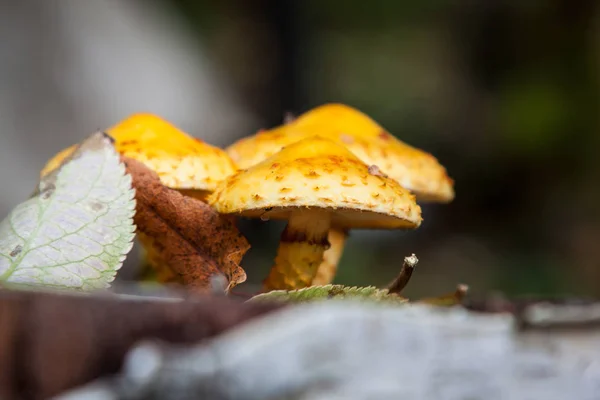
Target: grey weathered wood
[(359, 351)]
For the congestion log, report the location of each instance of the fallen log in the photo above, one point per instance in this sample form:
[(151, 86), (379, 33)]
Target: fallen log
[(337, 350)]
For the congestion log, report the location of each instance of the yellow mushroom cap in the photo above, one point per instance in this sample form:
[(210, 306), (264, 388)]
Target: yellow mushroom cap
[(180, 160), (416, 170), (318, 173)]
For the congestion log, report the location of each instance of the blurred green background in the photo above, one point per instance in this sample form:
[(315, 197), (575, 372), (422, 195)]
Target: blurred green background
[(504, 93)]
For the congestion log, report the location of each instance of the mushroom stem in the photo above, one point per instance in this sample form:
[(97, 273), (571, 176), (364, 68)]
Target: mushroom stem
[(331, 258), (303, 242)]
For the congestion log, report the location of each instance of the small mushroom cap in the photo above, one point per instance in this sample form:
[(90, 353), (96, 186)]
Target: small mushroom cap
[(318, 173), (416, 170), (180, 160)]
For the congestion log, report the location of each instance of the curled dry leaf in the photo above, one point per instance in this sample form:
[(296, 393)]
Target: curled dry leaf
[(193, 239), (450, 299)]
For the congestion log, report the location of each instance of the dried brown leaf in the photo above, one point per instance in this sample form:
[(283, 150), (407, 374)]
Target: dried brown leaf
[(193, 239), (450, 299)]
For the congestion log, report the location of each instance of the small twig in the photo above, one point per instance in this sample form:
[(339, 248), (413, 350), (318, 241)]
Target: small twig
[(403, 277), (448, 300)]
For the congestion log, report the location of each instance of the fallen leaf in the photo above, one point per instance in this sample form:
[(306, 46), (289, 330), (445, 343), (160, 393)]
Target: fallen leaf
[(326, 292), (448, 300), (76, 229), (192, 238)]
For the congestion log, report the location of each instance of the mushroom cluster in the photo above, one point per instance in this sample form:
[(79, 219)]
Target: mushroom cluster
[(326, 172), (415, 170)]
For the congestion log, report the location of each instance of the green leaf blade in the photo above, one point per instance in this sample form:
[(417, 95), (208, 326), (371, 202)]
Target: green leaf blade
[(77, 229), (330, 292)]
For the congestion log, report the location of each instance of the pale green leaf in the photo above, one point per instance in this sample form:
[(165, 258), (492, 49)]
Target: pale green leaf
[(316, 293), (77, 228)]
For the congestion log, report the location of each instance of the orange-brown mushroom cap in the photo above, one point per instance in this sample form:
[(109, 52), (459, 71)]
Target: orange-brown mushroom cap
[(318, 173), (416, 170), (313, 184), (180, 160)]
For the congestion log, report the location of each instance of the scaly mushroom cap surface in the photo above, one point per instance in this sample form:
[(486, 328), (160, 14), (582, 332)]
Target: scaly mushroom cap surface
[(181, 161), (320, 174), (416, 170)]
